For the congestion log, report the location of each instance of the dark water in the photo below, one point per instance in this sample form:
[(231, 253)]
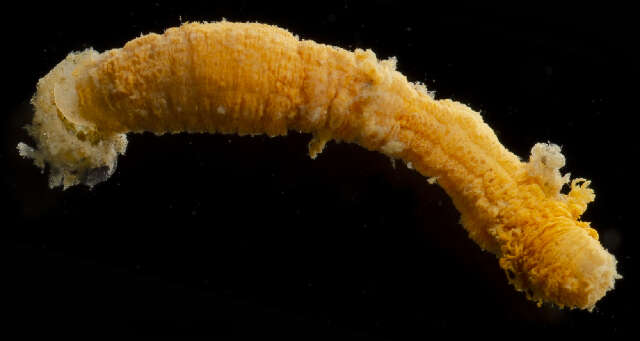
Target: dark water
[(226, 235)]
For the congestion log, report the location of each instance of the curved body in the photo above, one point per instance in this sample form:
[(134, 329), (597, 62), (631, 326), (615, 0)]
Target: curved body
[(259, 79)]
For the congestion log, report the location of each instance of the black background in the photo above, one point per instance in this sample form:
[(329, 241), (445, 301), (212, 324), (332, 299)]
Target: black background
[(226, 235)]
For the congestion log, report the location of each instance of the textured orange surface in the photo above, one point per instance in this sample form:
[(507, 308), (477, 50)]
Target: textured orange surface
[(259, 79)]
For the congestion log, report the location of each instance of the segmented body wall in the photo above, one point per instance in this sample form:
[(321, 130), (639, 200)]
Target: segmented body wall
[(259, 79)]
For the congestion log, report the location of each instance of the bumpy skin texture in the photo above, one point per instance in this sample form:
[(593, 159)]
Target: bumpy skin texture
[(249, 78)]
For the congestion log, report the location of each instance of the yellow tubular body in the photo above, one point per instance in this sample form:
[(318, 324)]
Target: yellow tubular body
[(249, 78)]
